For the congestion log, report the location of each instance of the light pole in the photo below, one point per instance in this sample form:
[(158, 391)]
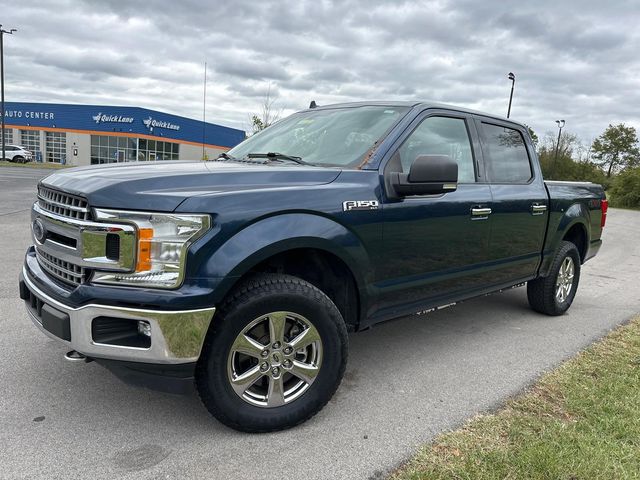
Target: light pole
[(511, 77), (204, 108), (555, 159), (2, 32)]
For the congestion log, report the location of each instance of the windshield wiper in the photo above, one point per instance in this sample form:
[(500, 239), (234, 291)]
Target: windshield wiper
[(224, 157), (279, 156)]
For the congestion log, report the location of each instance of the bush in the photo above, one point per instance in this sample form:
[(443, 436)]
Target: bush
[(625, 191)]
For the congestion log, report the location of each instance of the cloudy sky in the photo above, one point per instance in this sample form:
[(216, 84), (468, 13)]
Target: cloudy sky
[(578, 60)]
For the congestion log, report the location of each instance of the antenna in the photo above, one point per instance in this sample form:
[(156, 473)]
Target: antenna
[(313, 104)]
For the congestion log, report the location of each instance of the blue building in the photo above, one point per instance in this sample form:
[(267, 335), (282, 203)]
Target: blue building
[(93, 134)]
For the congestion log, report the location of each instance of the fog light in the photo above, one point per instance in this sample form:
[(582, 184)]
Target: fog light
[(144, 328)]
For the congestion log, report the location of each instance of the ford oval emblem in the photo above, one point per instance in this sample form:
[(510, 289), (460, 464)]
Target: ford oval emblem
[(39, 232)]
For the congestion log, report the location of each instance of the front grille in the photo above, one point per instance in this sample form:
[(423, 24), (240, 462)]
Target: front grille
[(63, 204), (68, 272)]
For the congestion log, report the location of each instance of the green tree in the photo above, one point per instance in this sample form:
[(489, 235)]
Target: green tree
[(616, 148), (534, 137), (568, 163), (625, 191)]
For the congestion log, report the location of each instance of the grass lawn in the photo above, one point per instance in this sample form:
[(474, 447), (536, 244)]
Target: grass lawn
[(34, 165), (580, 421)]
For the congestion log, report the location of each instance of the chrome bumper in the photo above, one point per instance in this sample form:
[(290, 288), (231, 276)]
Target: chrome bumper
[(176, 336)]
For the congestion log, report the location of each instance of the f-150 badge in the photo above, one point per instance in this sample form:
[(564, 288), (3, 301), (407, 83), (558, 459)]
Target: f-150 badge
[(350, 205)]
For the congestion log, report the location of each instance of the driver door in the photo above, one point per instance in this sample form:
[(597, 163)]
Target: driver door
[(435, 246)]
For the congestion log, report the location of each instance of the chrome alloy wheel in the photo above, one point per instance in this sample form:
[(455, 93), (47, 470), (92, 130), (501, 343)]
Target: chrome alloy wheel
[(275, 359), (564, 281)]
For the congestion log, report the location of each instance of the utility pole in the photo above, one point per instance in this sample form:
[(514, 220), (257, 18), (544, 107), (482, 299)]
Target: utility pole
[(204, 108), (511, 77), (555, 159), (2, 32)]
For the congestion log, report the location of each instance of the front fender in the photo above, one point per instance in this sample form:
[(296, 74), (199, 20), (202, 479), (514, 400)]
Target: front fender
[(276, 234), (561, 221)]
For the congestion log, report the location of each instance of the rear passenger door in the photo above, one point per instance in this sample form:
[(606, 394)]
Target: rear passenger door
[(520, 205)]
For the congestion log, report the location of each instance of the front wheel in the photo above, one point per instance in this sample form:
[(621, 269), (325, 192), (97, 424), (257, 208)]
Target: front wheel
[(553, 295), (274, 356)]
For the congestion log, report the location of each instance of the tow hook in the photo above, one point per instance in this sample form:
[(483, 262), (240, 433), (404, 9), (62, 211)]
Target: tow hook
[(73, 356)]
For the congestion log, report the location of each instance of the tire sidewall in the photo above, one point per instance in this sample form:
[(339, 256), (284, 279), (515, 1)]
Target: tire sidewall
[(568, 250), (229, 325)]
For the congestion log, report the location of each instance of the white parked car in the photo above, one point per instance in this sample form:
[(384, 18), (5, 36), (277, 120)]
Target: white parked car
[(16, 153)]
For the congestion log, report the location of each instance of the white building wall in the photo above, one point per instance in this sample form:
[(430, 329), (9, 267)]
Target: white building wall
[(79, 143), (194, 152)]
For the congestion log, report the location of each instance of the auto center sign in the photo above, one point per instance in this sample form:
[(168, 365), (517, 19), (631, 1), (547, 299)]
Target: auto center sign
[(28, 114), (80, 117), (105, 118), (150, 123)]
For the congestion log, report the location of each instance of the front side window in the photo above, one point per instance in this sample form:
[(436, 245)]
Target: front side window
[(440, 136), (332, 137), (505, 155)]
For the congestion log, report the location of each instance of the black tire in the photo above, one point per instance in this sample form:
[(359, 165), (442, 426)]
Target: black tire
[(255, 298), (541, 292), (18, 159)]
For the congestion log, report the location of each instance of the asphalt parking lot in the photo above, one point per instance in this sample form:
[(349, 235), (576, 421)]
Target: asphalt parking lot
[(406, 381)]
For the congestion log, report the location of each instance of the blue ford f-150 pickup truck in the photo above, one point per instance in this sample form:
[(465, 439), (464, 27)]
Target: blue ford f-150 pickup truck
[(242, 276)]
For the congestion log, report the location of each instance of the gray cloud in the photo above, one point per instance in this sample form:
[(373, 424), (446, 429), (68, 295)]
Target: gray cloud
[(574, 59)]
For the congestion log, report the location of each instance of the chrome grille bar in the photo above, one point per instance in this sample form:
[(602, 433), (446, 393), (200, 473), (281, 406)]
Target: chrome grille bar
[(68, 272), (63, 204)]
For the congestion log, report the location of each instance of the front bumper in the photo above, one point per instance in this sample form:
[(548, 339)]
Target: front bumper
[(176, 336)]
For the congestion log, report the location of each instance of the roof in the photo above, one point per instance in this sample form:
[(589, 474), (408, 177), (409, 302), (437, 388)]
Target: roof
[(422, 105)]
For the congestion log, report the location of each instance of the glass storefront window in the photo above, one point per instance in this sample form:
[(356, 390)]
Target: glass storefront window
[(56, 147), (30, 139), (8, 136), (111, 149)]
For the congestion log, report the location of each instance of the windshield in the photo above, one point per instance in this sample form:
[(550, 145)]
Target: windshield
[(332, 137)]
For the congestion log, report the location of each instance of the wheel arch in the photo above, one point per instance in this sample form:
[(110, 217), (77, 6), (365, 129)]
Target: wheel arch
[(572, 226), (577, 234), (289, 244)]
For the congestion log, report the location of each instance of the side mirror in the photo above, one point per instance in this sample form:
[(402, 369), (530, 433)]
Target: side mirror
[(428, 175)]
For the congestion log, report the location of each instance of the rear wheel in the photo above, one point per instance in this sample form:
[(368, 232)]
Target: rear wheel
[(274, 357), (553, 295)]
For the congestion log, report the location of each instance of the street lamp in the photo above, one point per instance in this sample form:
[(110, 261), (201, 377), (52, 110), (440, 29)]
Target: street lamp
[(560, 127), (2, 32), (511, 77), (555, 158)]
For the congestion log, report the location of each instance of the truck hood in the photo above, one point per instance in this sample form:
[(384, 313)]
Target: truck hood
[(162, 186)]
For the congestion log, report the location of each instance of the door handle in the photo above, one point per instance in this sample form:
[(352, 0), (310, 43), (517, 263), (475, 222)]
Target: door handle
[(538, 209), (480, 213)]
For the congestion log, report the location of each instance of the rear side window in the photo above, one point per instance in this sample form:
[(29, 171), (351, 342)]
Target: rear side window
[(505, 155)]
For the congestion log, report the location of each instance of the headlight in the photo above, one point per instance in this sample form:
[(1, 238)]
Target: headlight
[(162, 243)]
